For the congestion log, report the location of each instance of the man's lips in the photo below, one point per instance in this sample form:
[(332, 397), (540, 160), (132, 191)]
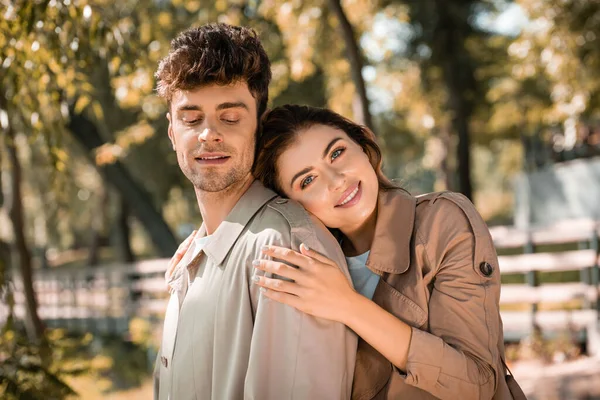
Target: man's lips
[(350, 194), (212, 158)]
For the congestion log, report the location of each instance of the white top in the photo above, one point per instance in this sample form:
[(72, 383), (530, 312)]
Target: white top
[(199, 242), (364, 280)]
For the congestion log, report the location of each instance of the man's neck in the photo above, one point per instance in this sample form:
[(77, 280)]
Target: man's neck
[(215, 206)]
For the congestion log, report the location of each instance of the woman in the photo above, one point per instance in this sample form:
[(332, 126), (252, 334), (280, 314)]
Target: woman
[(424, 270)]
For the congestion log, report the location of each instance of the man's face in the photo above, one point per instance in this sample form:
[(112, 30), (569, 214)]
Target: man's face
[(212, 129)]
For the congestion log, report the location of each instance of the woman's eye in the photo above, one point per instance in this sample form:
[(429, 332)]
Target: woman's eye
[(336, 153), (230, 121), (306, 181)]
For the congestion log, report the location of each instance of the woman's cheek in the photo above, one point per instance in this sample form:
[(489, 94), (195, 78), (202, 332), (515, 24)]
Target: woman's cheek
[(315, 204)]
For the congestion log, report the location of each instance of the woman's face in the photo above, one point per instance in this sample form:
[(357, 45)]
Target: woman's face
[(331, 176)]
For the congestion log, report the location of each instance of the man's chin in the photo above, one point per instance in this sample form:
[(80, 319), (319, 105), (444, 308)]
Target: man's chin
[(219, 186)]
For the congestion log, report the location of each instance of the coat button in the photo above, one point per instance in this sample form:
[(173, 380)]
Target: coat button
[(281, 201), (486, 268), (164, 362)]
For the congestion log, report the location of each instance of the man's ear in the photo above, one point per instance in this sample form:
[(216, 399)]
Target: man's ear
[(170, 130)]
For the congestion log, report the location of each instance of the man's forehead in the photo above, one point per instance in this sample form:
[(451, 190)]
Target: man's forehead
[(209, 97)]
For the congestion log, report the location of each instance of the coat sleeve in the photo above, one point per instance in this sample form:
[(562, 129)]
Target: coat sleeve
[(294, 355), (459, 356)]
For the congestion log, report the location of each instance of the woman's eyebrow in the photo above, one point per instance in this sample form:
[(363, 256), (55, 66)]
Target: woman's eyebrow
[(330, 145), (299, 174)]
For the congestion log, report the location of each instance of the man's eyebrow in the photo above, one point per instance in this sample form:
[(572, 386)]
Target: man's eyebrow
[(299, 174), (330, 145), (237, 104), (189, 107)]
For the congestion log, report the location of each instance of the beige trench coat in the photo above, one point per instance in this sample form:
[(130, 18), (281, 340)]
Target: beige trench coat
[(223, 340), (440, 275)]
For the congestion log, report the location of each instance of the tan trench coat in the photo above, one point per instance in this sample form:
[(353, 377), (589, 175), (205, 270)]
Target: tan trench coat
[(440, 275)]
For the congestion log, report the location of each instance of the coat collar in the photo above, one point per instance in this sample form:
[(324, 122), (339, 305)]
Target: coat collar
[(223, 239), (229, 230), (390, 251)]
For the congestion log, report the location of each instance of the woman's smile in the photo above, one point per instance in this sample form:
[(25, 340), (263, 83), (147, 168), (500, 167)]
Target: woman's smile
[(350, 197)]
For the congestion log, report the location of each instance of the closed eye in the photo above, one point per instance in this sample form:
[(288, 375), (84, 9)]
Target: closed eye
[(192, 122)]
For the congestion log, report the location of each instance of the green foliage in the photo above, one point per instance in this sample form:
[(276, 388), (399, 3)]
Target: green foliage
[(121, 364), (24, 375), (113, 362)]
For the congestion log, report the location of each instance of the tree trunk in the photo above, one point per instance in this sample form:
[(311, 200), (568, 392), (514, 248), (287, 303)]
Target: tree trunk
[(459, 77), (5, 259), (33, 323), (98, 229), (460, 121), (138, 200), (445, 172), (123, 233), (356, 62)]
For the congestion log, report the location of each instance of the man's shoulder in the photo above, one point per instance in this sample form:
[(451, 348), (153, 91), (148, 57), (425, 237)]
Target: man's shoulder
[(283, 215), (287, 215), (303, 227)]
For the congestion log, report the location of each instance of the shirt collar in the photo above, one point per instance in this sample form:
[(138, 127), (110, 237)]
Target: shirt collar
[(225, 236), (391, 250)]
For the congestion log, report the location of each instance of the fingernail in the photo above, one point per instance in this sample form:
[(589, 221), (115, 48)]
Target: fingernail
[(256, 263), (306, 247), (265, 248), (263, 290), (256, 278)]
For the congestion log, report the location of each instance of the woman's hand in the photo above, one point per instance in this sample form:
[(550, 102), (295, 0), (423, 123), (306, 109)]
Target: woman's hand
[(183, 247), (319, 287)]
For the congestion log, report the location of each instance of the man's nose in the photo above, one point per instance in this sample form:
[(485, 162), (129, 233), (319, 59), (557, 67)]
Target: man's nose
[(209, 134)]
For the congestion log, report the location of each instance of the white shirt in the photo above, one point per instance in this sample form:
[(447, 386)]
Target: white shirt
[(200, 242)]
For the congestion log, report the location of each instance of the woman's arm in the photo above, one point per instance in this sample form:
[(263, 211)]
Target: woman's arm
[(320, 289), (458, 356)]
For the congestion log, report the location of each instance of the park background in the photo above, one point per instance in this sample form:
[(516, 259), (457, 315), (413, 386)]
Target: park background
[(496, 99)]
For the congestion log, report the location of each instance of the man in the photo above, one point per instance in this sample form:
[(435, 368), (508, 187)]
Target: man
[(222, 339)]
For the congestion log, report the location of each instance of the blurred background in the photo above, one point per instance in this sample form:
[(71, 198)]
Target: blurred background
[(496, 99)]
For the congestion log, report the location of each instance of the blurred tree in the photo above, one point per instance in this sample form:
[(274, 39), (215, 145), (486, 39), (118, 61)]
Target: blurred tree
[(64, 47), (440, 43), (555, 71), (355, 58), (14, 204)]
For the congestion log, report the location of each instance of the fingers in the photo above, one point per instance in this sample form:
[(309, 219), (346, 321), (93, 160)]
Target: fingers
[(285, 254), (277, 285), (284, 298), (305, 250), (278, 268), (183, 247)]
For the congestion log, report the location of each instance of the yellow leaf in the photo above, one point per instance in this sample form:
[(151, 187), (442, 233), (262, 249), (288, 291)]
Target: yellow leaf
[(82, 103), (98, 113), (192, 6), (164, 19)]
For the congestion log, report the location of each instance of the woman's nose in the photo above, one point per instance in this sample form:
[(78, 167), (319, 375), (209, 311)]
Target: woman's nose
[(337, 180)]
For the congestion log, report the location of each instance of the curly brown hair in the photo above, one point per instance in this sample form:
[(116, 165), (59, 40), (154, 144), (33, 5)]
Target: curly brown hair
[(216, 54), (281, 127)]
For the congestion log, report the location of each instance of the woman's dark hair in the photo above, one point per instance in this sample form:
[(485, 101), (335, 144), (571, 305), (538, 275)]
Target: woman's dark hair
[(281, 126)]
